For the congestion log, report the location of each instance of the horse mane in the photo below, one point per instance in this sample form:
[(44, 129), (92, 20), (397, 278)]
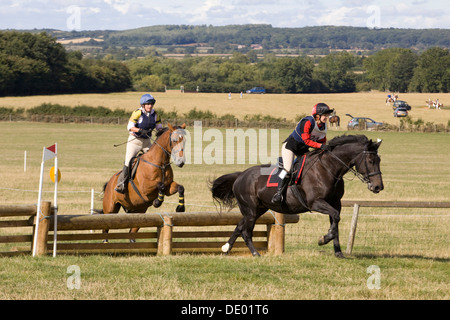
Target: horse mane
[(340, 140), (160, 132)]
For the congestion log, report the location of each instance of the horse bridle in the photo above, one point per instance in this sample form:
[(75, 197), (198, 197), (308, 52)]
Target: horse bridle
[(163, 167), (364, 178)]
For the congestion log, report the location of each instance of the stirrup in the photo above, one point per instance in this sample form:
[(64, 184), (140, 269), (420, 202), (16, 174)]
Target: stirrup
[(277, 198)]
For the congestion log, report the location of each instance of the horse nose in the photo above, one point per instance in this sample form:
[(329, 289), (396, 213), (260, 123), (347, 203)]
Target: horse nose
[(377, 188)]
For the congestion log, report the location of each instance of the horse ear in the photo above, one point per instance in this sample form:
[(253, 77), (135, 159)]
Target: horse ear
[(377, 144), (183, 126), (170, 126)]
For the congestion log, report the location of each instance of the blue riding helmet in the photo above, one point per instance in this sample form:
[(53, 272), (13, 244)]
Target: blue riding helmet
[(147, 99)]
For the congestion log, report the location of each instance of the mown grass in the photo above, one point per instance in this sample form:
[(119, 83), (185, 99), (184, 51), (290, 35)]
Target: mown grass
[(302, 274), (409, 246)]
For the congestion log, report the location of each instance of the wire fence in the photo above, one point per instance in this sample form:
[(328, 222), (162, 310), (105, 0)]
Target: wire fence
[(379, 233)]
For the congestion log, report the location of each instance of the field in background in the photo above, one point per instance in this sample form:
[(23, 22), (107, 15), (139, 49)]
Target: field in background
[(409, 246), (289, 106)]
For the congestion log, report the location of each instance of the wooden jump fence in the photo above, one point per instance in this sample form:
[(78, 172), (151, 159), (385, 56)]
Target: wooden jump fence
[(75, 231), (74, 234)]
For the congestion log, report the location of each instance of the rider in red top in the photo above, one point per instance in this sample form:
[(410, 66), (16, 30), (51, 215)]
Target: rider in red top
[(311, 131)]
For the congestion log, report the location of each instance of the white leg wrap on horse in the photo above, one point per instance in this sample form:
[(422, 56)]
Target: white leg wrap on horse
[(226, 247)]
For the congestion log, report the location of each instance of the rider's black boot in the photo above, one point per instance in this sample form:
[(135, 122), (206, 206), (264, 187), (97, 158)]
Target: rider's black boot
[(278, 196), (122, 181)]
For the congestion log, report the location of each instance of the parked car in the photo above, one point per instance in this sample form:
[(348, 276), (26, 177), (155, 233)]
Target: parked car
[(257, 90), (354, 123), (401, 104), (400, 112)]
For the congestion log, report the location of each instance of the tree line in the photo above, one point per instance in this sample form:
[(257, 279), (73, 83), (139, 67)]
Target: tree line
[(394, 69), (332, 37), (37, 64)]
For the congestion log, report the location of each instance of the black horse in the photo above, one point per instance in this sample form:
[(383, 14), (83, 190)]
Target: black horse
[(320, 187)]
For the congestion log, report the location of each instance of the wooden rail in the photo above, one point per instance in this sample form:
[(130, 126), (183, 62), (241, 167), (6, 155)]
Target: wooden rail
[(17, 217), (396, 204), (165, 234), (22, 216)]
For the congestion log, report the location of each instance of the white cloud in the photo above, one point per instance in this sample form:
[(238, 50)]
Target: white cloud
[(121, 6), (343, 16), (216, 9), (126, 14)]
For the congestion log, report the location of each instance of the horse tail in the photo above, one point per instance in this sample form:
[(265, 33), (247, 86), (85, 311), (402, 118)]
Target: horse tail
[(222, 190)]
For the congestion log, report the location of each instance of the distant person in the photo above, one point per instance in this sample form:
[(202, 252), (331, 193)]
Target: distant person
[(140, 126), (311, 131)]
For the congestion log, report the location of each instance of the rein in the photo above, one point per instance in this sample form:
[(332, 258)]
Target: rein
[(163, 167), (364, 178)]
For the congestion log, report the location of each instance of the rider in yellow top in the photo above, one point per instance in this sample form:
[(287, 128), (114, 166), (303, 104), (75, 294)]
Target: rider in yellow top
[(140, 126)]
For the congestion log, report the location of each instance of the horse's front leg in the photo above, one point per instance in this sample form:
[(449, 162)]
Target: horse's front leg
[(333, 233), (174, 188), (161, 191)]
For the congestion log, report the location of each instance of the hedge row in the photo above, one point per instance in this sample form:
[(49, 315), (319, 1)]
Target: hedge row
[(48, 112)]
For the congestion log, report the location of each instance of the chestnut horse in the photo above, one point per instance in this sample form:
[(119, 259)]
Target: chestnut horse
[(320, 189), (153, 178), (335, 120)]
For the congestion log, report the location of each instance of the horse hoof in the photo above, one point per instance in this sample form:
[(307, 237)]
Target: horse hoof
[(226, 248), (157, 203), (180, 209), (105, 241), (256, 254), (322, 241), (339, 255), (132, 241)]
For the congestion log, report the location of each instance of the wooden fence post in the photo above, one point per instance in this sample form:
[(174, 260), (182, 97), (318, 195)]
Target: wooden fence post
[(351, 236), (44, 225), (167, 236), (276, 234)]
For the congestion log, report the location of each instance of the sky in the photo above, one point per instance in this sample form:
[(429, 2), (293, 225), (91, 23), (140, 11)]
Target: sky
[(80, 15)]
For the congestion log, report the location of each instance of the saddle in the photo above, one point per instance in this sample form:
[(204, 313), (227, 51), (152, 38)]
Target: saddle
[(134, 164), (274, 180)]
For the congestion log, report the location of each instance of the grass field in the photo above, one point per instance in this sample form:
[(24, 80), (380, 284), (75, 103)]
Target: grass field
[(409, 246)]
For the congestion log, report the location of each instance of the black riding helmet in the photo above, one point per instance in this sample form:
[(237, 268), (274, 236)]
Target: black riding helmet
[(321, 109)]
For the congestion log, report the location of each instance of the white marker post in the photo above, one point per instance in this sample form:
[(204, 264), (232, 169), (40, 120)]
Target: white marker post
[(47, 154), (55, 213)]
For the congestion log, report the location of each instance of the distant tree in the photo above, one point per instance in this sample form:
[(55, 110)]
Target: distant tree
[(150, 83), (433, 71), (334, 72), (391, 69), (294, 74), (37, 64)]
